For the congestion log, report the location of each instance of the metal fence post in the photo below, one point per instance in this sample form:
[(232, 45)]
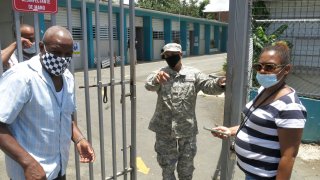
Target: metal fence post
[(133, 150), (86, 76), (18, 35), (237, 73)]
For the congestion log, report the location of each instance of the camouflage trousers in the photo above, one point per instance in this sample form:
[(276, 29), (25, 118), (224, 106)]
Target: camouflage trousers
[(172, 152)]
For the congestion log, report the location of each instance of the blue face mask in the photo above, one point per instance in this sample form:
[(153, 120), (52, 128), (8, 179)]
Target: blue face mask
[(267, 80)]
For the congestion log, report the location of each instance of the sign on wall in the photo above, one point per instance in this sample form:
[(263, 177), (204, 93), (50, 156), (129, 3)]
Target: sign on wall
[(40, 6), (76, 49)]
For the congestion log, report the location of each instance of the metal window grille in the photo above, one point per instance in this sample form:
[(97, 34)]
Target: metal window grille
[(104, 33), (77, 33), (175, 35), (158, 35)]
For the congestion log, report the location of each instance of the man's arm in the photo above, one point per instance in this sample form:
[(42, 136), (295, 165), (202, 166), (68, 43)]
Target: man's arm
[(289, 140), (8, 51), (208, 85), (83, 146), (155, 79), (9, 145)]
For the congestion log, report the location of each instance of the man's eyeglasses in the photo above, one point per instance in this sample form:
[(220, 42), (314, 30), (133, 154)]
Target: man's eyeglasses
[(266, 67)]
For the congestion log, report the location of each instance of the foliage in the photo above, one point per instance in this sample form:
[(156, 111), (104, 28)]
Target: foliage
[(260, 36), (189, 8), (261, 39)]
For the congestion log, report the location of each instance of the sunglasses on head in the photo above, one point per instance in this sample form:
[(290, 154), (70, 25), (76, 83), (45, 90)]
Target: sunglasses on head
[(266, 67)]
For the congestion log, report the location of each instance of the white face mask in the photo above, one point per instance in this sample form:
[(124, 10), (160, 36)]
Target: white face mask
[(30, 50), (54, 64)]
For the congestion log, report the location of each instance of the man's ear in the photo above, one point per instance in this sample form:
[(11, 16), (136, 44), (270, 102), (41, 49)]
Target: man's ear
[(41, 47)]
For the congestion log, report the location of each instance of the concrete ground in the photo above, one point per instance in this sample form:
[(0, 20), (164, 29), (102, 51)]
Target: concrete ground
[(209, 111)]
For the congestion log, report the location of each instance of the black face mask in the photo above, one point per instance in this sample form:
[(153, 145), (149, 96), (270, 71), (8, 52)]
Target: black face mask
[(173, 60)]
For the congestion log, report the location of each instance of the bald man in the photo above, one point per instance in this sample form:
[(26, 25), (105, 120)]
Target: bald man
[(9, 55), (36, 112)]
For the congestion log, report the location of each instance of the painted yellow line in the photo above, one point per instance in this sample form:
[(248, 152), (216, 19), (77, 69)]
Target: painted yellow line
[(142, 166)]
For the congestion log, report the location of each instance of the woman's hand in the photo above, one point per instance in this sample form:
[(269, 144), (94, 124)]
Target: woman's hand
[(221, 132)]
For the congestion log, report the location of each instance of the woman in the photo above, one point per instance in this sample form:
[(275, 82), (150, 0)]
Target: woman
[(268, 139)]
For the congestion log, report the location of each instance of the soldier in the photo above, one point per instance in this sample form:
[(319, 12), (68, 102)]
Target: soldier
[(174, 120)]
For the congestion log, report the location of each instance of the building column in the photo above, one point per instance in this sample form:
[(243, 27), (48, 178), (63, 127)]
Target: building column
[(196, 38), (42, 26), (167, 31), (90, 39), (217, 37), (207, 39), (125, 33), (224, 38), (147, 36), (183, 36)]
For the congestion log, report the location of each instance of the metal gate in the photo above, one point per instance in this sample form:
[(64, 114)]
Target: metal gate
[(104, 126)]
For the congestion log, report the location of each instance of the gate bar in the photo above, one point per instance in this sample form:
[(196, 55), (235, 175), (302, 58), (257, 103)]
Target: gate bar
[(18, 35), (1, 67), (36, 30), (123, 91), (86, 76), (133, 152), (69, 25), (100, 84), (121, 173), (53, 19), (100, 107), (112, 92)]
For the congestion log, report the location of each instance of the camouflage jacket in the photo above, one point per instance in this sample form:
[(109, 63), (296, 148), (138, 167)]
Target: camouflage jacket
[(175, 108)]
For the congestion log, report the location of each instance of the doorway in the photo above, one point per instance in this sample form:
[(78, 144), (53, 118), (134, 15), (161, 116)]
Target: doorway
[(139, 43)]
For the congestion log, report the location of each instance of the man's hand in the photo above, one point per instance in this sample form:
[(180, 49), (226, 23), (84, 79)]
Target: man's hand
[(26, 43), (85, 151), (34, 171), (162, 77)]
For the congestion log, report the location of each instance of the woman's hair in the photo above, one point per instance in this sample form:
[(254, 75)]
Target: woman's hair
[(282, 49)]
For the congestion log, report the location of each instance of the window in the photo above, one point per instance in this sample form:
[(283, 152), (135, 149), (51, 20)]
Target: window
[(158, 35), (104, 33), (176, 36)]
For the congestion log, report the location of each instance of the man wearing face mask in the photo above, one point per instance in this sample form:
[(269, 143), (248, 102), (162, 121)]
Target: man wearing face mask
[(174, 120), (9, 55), (37, 125)]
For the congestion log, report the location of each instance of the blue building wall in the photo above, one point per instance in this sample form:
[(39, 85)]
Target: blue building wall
[(224, 37), (167, 31), (207, 32), (148, 15), (183, 35), (148, 45)]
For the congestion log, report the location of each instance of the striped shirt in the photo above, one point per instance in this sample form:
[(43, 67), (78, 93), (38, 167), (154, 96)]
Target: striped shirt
[(257, 144), (41, 125)]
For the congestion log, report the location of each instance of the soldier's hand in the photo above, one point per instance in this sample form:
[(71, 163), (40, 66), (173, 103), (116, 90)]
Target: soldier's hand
[(162, 77), (222, 82)]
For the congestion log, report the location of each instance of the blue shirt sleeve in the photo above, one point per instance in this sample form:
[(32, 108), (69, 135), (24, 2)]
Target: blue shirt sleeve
[(14, 93)]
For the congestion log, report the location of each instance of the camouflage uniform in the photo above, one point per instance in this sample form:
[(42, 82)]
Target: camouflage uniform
[(174, 120)]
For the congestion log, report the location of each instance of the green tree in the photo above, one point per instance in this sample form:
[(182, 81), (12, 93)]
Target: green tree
[(192, 8)]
